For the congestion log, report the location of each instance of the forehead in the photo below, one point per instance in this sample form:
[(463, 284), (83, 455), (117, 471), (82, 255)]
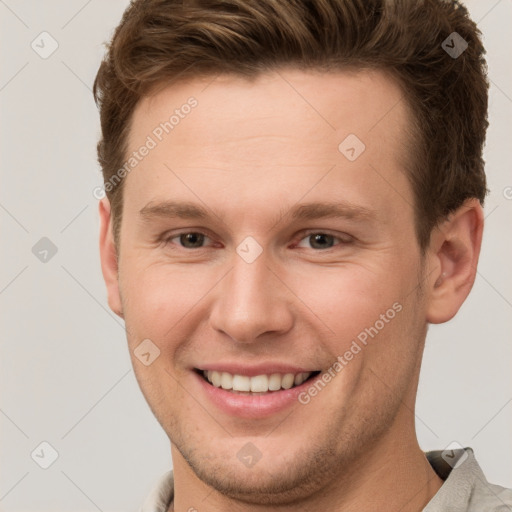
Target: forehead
[(230, 135), (360, 101)]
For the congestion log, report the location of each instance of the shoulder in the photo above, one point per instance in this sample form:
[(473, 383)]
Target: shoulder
[(465, 487), (488, 497), (161, 494)]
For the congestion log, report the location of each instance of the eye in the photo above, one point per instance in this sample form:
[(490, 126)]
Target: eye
[(317, 239), (188, 240), (320, 240)]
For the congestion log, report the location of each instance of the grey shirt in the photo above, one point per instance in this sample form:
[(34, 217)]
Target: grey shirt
[(465, 487)]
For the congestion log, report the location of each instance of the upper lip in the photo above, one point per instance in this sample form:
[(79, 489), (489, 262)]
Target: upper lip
[(253, 370)]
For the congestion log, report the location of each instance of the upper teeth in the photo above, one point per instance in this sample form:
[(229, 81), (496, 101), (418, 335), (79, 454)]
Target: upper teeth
[(257, 384)]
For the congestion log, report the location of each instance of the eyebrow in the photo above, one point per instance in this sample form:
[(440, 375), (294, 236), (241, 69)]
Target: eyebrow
[(307, 211)]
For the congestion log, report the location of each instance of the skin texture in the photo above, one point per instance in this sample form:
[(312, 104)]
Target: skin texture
[(249, 152)]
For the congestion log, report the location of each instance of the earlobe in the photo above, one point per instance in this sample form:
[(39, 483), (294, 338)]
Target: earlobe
[(454, 252), (108, 257)]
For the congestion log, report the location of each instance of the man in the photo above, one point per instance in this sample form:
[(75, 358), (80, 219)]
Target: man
[(294, 192)]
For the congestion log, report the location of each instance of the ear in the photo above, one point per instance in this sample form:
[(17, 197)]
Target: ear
[(108, 256), (453, 254)]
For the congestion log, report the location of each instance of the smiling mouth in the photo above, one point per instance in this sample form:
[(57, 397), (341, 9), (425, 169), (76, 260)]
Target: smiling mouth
[(257, 385)]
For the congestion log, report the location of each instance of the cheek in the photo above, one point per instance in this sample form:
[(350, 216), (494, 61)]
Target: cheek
[(372, 319), (158, 295), (348, 298), (159, 299)]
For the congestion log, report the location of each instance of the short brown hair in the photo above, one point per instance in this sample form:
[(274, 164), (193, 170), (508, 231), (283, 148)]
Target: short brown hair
[(161, 41)]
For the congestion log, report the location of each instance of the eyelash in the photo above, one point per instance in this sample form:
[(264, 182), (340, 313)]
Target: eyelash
[(166, 240)]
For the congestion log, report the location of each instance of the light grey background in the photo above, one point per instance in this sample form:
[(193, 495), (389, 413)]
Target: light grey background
[(66, 376)]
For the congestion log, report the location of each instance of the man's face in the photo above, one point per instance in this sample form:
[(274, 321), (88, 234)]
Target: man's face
[(256, 290)]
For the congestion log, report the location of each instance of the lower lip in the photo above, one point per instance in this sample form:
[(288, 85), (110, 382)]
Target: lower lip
[(253, 406)]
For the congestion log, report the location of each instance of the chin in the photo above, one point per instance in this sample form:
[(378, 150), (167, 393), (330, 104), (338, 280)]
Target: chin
[(277, 478)]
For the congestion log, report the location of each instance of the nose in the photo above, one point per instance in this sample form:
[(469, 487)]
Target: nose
[(252, 301)]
